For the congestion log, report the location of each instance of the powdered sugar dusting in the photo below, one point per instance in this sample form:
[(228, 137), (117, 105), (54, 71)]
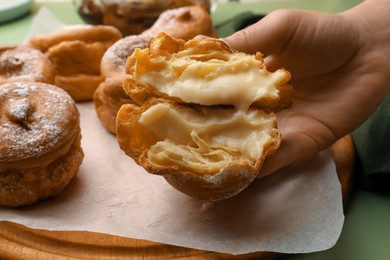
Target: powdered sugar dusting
[(23, 89), (114, 59), (34, 119), (21, 63), (19, 109)]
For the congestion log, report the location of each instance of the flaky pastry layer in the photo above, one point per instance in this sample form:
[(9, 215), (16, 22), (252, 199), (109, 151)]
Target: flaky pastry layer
[(206, 72), (184, 23), (203, 115), (203, 143)]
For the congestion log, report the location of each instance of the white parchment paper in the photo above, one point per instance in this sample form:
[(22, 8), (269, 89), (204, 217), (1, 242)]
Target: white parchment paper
[(296, 210)]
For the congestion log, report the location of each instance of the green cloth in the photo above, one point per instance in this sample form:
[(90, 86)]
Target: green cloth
[(372, 144), (237, 23)]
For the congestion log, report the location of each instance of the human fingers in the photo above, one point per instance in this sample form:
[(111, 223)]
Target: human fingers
[(201, 37), (295, 147), (289, 152), (268, 35)]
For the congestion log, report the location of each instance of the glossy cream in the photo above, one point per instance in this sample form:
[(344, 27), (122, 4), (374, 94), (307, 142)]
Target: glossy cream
[(237, 80), (209, 139)]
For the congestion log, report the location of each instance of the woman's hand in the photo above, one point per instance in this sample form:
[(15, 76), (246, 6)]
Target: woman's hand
[(339, 72)]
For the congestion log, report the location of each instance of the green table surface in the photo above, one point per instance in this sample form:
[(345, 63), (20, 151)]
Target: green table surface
[(366, 232)]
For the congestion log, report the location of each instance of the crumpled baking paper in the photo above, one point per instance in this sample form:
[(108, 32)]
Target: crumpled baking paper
[(296, 210)]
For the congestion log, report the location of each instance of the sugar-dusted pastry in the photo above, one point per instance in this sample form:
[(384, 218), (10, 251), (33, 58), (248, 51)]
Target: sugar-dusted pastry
[(76, 52), (203, 116), (40, 150), (183, 23), (23, 63)]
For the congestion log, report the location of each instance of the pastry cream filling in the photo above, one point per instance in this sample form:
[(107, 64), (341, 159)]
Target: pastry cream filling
[(207, 140), (213, 80)]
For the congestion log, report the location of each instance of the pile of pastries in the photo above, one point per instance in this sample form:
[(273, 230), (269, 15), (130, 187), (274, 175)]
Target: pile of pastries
[(41, 82), (131, 16)]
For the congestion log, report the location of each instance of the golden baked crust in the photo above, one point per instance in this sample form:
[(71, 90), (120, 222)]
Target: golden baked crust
[(22, 187), (81, 87), (204, 72), (109, 95), (76, 53), (203, 115), (40, 142), (193, 126), (84, 33), (23, 63), (108, 98)]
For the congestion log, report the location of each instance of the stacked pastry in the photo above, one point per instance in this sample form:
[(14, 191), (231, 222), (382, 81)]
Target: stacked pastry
[(76, 53), (132, 17), (203, 115), (40, 150)]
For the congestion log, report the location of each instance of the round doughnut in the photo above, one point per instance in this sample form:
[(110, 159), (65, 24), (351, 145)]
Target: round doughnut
[(109, 96), (23, 63), (84, 33), (76, 53), (184, 23), (40, 150), (114, 59)]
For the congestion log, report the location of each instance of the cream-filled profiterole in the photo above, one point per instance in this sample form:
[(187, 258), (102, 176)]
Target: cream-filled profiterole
[(203, 115)]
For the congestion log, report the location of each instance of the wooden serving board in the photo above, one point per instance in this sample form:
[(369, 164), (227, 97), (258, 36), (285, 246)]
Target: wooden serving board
[(20, 242)]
